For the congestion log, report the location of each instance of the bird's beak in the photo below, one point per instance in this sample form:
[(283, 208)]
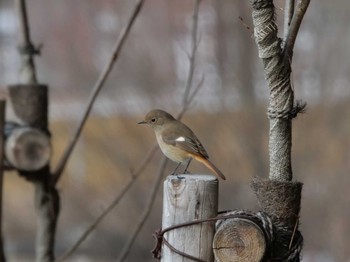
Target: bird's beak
[(142, 122)]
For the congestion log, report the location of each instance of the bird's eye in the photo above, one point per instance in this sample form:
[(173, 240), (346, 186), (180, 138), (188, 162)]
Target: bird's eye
[(153, 120)]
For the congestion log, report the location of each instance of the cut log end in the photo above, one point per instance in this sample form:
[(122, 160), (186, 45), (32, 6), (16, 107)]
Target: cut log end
[(28, 149), (239, 240)]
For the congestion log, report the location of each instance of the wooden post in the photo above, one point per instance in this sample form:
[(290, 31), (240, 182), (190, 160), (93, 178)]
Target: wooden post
[(188, 198)]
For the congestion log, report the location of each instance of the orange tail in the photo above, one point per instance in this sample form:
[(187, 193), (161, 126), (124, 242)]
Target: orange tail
[(209, 165)]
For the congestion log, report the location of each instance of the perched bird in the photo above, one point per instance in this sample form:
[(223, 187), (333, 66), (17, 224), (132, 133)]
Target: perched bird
[(177, 141)]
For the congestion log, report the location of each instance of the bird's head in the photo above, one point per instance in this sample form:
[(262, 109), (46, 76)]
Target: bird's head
[(157, 118)]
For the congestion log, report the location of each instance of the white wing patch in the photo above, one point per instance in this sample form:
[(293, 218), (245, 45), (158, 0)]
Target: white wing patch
[(180, 139)]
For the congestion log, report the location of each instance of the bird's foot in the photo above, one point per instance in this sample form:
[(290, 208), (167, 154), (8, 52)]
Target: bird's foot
[(179, 177)]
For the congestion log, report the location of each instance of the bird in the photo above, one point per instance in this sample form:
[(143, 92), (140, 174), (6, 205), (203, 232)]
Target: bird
[(177, 141)]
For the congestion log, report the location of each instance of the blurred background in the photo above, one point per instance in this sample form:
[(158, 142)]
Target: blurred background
[(228, 114)]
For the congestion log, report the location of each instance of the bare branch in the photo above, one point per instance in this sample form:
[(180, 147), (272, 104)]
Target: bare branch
[(146, 160), (26, 48), (192, 56), (23, 22), (94, 224), (124, 253), (197, 88), (288, 15), (2, 138), (295, 23), (109, 208), (243, 23), (96, 89), (190, 99)]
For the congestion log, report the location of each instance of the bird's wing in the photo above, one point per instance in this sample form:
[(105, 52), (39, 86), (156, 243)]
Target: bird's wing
[(184, 139)]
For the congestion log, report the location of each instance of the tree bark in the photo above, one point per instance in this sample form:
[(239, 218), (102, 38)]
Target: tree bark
[(278, 196)]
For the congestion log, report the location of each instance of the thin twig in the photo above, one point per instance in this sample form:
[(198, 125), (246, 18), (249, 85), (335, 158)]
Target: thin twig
[(96, 89), (192, 55), (293, 235), (26, 48), (124, 253), (146, 160), (134, 176), (299, 13), (190, 99), (2, 153), (288, 15), (94, 224), (243, 23)]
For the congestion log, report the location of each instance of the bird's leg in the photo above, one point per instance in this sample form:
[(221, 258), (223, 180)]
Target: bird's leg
[(174, 172), (188, 164)]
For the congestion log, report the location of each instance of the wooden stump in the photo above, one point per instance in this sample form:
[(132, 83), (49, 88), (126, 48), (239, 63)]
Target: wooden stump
[(189, 198), (238, 240)]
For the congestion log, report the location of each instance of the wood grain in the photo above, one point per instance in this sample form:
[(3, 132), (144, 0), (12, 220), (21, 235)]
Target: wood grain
[(238, 240), (189, 198)]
